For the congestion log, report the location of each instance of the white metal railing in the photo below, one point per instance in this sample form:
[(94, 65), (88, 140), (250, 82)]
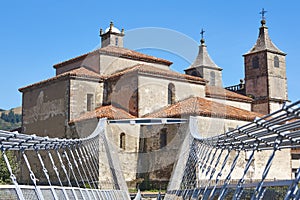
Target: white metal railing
[(208, 157), (69, 167)]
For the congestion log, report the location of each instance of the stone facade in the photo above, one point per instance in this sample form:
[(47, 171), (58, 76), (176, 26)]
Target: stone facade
[(116, 83), (153, 92), (46, 104), (265, 73)]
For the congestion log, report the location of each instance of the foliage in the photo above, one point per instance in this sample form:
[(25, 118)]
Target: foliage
[(11, 117), (10, 120), (4, 172)]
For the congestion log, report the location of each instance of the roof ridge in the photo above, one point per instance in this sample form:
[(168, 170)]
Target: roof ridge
[(227, 94), (65, 74), (204, 107), (96, 113), (167, 106), (112, 50), (154, 70)]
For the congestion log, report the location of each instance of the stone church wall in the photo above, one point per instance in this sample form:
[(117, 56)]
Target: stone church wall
[(82, 129), (153, 92), (122, 93), (217, 79), (112, 64), (237, 104), (159, 148), (79, 91), (91, 62), (128, 156), (45, 110), (277, 77), (256, 79)]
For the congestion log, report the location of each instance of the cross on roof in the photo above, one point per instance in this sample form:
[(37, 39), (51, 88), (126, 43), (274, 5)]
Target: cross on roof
[(263, 12), (202, 33)]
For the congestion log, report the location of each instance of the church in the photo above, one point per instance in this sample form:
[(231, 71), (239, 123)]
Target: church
[(148, 105)]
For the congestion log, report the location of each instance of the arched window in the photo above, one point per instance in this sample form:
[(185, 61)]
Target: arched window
[(163, 137), (255, 62), (117, 41), (171, 94), (122, 141), (276, 61), (212, 78)]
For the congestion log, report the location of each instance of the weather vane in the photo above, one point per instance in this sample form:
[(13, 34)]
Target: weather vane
[(263, 12)]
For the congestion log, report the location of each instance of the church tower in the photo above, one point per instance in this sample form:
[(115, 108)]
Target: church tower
[(265, 73), (112, 36), (205, 67)]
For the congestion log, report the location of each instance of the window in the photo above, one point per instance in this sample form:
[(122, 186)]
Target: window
[(194, 73), (117, 41), (171, 94), (122, 141), (212, 78), (276, 61), (163, 137), (295, 156), (89, 102), (255, 62)]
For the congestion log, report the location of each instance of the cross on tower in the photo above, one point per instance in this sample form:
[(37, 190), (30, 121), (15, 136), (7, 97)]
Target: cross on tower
[(202, 33), (263, 12)]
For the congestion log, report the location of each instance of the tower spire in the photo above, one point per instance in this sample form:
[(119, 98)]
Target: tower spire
[(264, 42), (204, 66)]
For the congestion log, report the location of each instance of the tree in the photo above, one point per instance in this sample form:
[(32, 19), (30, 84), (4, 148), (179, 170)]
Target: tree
[(11, 117), (4, 116), (4, 172)]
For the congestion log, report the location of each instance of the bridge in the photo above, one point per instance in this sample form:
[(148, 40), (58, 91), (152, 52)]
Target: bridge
[(200, 167), (74, 168), (70, 167)]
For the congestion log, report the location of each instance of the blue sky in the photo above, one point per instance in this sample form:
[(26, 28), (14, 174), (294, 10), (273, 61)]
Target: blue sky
[(35, 35)]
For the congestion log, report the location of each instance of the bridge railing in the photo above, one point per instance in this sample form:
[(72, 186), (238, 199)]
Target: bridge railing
[(205, 169), (61, 168)]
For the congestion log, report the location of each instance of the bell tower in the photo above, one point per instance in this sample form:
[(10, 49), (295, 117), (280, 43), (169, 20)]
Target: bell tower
[(265, 73), (205, 67)]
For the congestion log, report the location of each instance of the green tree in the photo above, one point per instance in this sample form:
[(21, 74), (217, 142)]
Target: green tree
[(4, 116), (11, 117), (4, 172), (10, 120)]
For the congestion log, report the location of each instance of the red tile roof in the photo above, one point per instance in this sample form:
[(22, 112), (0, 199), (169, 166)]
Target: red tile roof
[(109, 112), (204, 107), (221, 93), (79, 72), (118, 52), (148, 69), (139, 68)]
